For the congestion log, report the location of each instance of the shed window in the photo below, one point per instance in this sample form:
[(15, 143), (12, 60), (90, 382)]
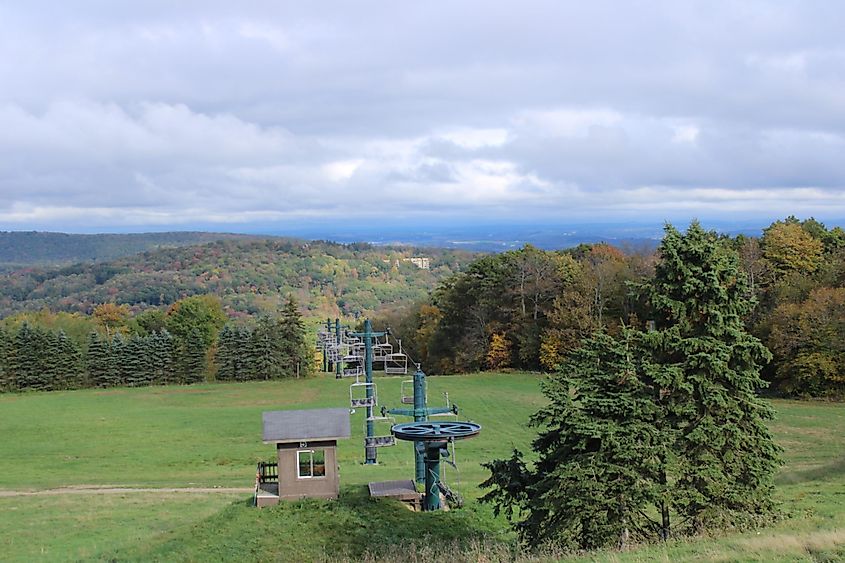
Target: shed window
[(310, 463)]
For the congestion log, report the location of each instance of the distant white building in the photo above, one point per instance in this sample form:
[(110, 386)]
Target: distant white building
[(420, 262)]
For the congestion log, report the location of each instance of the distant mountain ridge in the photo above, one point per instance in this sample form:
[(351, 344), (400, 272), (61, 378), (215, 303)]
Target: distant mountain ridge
[(23, 248), (250, 274)]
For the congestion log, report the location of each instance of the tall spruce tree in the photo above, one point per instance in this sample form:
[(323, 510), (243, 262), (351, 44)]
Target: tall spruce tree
[(122, 359), (162, 357), (28, 358), (192, 358), (599, 452), (295, 351), (259, 351), (698, 300), (653, 434), (225, 355), (100, 361), (69, 362), (5, 348)]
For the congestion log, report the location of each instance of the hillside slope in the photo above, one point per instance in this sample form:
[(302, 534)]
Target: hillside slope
[(249, 276), (27, 248), (210, 436)]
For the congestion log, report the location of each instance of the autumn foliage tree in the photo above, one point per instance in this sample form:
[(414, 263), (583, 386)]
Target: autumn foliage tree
[(499, 354), (790, 248), (807, 341)]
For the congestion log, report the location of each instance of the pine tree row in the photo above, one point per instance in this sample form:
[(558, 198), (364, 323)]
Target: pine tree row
[(273, 349), (33, 358), (36, 359)]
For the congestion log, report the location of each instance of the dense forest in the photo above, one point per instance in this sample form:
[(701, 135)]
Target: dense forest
[(530, 309), (27, 248), (191, 341), (249, 276)]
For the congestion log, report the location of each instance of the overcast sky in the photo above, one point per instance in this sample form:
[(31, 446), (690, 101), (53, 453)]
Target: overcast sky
[(144, 115)]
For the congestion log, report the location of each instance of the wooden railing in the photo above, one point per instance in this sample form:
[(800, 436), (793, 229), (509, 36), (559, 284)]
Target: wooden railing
[(267, 472)]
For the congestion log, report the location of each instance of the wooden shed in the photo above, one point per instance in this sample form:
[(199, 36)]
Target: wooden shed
[(306, 452)]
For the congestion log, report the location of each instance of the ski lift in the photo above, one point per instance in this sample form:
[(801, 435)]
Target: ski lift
[(396, 363), (353, 371), (453, 410), (381, 350), (407, 390), (355, 394), (382, 438), (353, 365)]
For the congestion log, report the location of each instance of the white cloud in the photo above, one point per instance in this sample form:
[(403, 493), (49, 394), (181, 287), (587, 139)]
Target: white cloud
[(566, 122), (685, 134), (341, 170), (206, 112), (476, 138)]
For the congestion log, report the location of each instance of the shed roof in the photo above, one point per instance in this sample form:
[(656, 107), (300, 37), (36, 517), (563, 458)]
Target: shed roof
[(303, 425)]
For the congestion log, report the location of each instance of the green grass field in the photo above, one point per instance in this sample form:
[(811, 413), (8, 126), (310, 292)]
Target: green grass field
[(209, 436)]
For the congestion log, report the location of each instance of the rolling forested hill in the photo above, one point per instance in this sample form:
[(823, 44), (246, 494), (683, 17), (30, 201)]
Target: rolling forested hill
[(249, 275), (26, 248)]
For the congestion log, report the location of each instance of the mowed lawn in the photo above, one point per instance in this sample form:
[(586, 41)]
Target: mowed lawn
[(210, 436)]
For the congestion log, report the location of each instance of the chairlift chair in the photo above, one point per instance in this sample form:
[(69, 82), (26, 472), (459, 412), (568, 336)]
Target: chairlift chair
[(396, 364), (407, 390), (358, 401), (381, 439), (453, 409), (381, 350), (353, 366)]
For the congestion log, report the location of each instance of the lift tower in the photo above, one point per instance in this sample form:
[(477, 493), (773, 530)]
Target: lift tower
[(420, 412), (367, 336)]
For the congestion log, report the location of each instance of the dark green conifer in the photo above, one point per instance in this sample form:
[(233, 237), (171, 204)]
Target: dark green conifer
[(698, 299), (99, 361), (259, 351), (27, 359), (293, 349), (223, 356), (6, 383), (162, 358), (655, 434), (69, 362), (192, 362)]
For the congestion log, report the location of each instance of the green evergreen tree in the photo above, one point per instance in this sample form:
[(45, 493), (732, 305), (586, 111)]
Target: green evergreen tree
[(162, 358), (292, 348), (100, 362), (134, 361), (698, 299), (69, 362), (654, 434), (121, 366), (229, 356), (51, 369), (6, 383), (259, 351), (242, 363), (599, 453), (191, 363), (27, 359)]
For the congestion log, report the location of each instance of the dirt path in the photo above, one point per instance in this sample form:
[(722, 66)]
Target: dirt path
[(116, 490)]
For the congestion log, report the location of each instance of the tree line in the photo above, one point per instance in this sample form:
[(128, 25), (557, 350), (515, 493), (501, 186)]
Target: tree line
[(530, 309), (189, 342)]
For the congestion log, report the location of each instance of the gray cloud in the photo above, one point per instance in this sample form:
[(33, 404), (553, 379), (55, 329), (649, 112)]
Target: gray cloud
[(156, 113)]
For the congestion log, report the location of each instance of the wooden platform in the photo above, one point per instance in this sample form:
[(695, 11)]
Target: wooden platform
[(405, 491)]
